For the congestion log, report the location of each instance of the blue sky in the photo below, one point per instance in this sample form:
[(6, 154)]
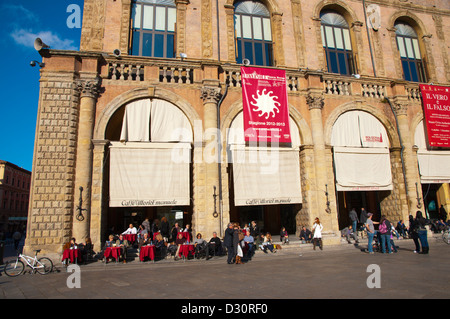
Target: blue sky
[(22, 22)]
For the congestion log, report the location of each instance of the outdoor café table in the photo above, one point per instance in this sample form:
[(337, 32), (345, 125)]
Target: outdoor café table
[(131, 238), (72, 255), (185, 249), (112, 252), (147, 251)]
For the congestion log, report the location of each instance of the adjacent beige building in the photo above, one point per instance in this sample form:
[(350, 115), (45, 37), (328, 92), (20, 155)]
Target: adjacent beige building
[(179, 61)]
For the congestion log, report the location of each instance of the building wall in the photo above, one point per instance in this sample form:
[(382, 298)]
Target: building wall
[(80, 91), (14, 196)]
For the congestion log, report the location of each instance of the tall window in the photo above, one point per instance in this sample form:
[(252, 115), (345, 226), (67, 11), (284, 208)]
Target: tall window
[(153, 28), (408, 46), (253, 33), (337, 43)]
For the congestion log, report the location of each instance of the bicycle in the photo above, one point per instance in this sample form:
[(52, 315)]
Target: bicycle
[(14, 268), (446, 237)]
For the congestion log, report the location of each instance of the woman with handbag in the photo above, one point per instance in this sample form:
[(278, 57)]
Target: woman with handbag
[(317, 237)]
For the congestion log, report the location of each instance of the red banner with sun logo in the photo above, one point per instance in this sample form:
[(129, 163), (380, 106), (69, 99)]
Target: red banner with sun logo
[(265, 102)]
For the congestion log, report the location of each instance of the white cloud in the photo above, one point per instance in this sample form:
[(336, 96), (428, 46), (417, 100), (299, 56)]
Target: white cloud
[(20, 11), (27, 37)]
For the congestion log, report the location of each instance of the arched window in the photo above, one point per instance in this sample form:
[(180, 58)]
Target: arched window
[(337, 43), (408, 46), (253, 33), (153, 28)]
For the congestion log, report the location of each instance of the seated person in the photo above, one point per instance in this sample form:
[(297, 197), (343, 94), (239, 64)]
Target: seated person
[(249, 242), (145, 240), (267, 244), (214, 246), (73, 243), (87, 248), (401, 229), (189, 231), (179, 241), (199, 244), (305, 235), (347, 232), (259, 241), (284, 237), (160, 245), (123, 244), (110, 241), (131, 230)]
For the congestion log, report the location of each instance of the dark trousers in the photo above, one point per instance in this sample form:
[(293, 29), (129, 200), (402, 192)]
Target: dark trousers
[(231, 254)]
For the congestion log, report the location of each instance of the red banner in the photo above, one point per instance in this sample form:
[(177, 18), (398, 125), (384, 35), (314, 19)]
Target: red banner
[(266, 111), (436, 107)]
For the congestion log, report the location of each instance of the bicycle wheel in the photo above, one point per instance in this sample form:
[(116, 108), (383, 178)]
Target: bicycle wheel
[(14, 268), (446, 237), (44, 266)]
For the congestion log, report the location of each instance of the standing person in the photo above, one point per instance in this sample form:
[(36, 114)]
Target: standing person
[(363, 217), (165, 232), (146, 225), (370, 232), (175, 230), (354, 219), (254, 229), (422, 232), (17, 236), (385, 231), (317, 230), (237, 238), (228, 242), (414, 232)]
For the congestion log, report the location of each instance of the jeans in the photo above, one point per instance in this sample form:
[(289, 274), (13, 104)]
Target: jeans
[(385, 240), (369, 244), (423, 238), (355, 230)]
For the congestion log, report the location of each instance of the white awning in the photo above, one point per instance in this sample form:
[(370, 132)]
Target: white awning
[(361, 153), (149, 174), (434, 166), (156, 121), (266, 176), (362, 169)]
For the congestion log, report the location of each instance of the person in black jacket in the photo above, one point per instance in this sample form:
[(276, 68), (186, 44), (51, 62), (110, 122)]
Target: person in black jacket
[(165, 231), (228, 242), (414, 232), (422, 232)]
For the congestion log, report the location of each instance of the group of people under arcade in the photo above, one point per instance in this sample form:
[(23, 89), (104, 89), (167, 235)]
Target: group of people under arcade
[(240, 244), (382, 239)]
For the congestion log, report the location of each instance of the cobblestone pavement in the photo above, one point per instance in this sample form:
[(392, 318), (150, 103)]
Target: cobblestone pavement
[(336, 272)]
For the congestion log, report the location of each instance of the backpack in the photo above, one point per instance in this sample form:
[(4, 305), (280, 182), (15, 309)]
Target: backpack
[(383, 228)]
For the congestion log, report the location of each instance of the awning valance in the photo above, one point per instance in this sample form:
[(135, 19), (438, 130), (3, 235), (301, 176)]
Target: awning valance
[(265, 176), (149, 174)]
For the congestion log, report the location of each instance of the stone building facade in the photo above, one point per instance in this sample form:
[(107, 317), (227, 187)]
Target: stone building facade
[(83, 95), (14, 196)]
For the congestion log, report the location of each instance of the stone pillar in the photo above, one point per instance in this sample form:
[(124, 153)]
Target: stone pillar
[(315, 102), (98, 198), (83, 174), (211, 96), (411, 171)]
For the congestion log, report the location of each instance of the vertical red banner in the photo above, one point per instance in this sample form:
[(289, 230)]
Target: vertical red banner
[(265, 101), (436, 108)]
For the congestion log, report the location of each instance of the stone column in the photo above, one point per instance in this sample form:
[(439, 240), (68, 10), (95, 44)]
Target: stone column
[(315, 102), (83, 174), (211, 96), (400, 105), (98, 198)]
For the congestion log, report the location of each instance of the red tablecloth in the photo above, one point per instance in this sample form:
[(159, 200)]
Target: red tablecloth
[(112, 252), (131, 238), (147, 251), (186, 235), (72, 255), (185, 249)]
